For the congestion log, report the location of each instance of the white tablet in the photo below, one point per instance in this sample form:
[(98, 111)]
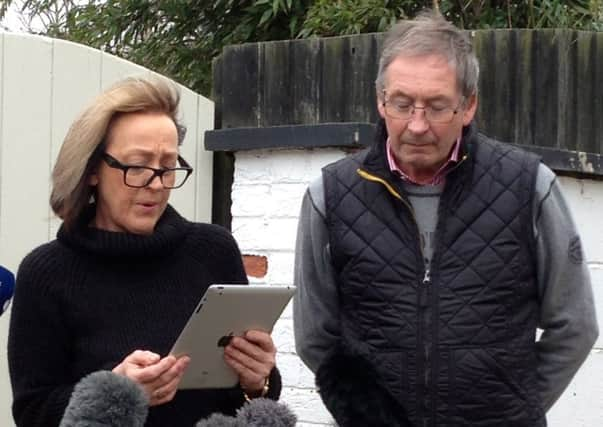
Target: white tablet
[(223, 312)]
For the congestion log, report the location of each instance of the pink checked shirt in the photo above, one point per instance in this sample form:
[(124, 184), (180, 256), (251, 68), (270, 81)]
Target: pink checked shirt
[(440, 175)]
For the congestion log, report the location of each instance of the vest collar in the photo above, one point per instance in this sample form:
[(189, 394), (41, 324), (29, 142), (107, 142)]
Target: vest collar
[(375, 164), (376, 159)]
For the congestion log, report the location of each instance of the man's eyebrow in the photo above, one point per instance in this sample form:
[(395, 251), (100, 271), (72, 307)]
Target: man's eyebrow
[(398, 93), (438, 98), (429, 100)]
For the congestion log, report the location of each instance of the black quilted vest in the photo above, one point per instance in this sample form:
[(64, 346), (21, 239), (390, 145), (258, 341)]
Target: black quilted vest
[(455, 347)]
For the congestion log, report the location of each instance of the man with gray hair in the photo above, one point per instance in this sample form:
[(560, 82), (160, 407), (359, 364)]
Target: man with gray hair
[(426, 263)]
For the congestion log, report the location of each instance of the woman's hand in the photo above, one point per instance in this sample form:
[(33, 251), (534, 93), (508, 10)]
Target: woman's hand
[(252, 356), (158, 377)]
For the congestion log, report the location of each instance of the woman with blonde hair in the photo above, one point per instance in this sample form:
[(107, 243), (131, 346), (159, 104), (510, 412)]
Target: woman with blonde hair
[(116, 287)]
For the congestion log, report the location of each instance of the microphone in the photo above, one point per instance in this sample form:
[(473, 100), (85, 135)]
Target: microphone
[(7, 288), (260, 412), (105, 399)]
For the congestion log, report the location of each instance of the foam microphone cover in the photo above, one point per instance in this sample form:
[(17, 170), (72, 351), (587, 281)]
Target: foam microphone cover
[(7, 288), (259, 412), (218, 420), (266, 413), (105, 399)]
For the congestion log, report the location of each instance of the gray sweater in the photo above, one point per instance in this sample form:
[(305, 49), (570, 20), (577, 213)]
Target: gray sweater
[(567, 311)]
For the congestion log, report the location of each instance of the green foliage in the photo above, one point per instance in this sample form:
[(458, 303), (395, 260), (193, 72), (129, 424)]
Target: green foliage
[(577, 14), (179, 38), (336, 17), (339, 17)]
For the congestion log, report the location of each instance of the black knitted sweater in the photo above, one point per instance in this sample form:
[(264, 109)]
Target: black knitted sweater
[(86, 300)]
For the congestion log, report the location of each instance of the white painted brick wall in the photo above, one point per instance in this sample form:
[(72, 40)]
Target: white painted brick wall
[(267, 192)]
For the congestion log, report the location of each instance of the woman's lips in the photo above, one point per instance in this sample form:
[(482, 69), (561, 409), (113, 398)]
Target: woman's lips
[(148, 207)]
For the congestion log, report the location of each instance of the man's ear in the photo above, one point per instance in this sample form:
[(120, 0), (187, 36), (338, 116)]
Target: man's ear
[(470, 109), (380, 107)]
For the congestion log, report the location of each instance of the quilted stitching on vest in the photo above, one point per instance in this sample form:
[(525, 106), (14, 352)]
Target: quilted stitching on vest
[(468, 338)]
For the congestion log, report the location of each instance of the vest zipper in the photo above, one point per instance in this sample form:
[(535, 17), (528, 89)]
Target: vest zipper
[(423, 303), (427, 277), (370, 177), (424, 406), (423, 290), (458, 163), (423, 297)]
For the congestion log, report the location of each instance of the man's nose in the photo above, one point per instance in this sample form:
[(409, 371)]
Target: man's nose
[(418, 122)]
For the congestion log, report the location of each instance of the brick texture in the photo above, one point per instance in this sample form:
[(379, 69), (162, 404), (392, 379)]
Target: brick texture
[(255, 265)]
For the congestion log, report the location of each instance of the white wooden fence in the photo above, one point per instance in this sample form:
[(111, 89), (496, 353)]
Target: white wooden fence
[(44, 83)]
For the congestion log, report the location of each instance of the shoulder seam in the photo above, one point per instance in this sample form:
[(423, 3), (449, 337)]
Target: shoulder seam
[(546, 196)]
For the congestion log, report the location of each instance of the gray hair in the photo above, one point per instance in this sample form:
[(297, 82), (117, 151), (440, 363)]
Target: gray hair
[(84, 143), (430, 33)]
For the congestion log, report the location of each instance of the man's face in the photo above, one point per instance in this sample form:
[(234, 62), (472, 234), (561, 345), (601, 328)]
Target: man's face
[(419, 145)]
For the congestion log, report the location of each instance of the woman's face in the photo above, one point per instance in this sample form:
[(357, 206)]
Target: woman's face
[(138, 139)]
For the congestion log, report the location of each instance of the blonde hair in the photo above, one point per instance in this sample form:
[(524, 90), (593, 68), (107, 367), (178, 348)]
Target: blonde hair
[(84, 143)]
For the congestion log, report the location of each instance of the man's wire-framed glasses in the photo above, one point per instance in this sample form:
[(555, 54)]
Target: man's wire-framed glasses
[(141, 176), (401, 108)]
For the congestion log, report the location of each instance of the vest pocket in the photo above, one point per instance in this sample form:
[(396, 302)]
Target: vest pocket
[(396, 370), (484, 392)]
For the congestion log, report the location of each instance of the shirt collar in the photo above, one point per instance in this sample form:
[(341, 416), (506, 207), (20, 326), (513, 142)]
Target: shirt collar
[(438, 178)]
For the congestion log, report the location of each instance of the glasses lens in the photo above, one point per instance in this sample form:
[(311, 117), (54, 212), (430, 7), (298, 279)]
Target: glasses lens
[(402, 108), (439, 115), (174, 178), (398, 110), (138, 177)]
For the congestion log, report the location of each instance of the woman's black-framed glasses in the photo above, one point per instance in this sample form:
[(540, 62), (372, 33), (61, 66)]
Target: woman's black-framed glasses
[(141, 176)]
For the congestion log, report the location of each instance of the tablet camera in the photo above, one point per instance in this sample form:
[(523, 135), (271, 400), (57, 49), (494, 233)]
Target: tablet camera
[(225, 340)]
